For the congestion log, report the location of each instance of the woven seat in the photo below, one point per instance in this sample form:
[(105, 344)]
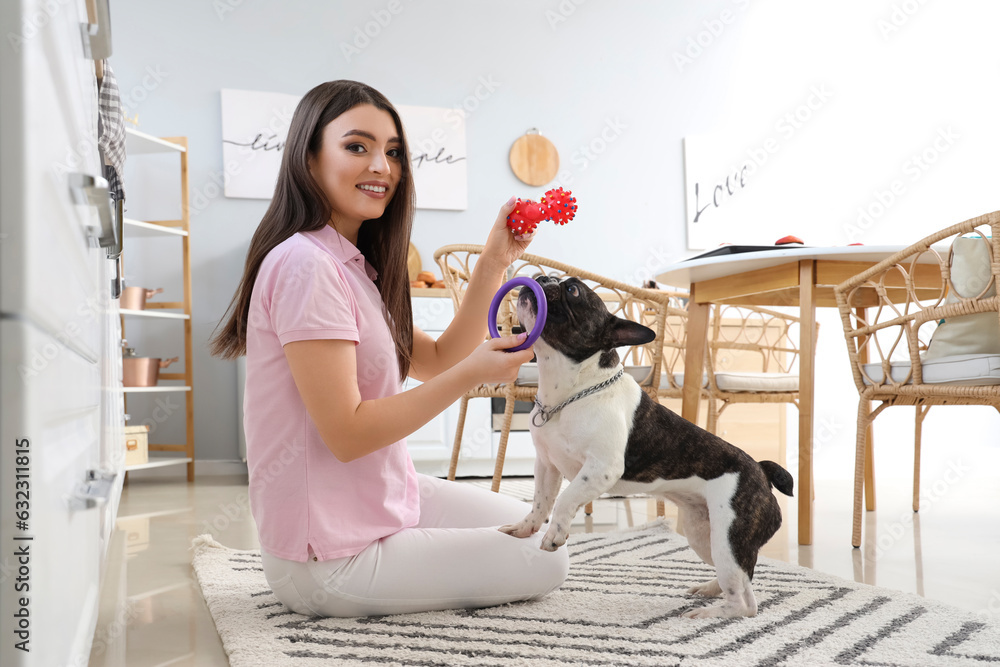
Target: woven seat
[(926, 342), (648, 306)]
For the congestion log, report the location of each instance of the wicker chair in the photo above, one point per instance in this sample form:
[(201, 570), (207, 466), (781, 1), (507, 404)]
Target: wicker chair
[(889, 310), (648, 306), (750, 355), (757, 337)]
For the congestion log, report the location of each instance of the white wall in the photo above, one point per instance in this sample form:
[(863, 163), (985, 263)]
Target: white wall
[(608, 83)]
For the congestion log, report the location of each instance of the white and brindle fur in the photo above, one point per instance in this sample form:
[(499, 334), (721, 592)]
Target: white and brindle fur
[(618, 440)]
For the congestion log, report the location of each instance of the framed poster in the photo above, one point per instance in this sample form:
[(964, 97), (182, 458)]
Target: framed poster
[(255, 126), (436, 137), (717, 171)]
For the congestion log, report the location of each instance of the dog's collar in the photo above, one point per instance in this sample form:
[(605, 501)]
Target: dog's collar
[(545, 414)]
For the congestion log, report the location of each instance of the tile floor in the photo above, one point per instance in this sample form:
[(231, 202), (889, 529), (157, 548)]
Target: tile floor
[(152, 612)]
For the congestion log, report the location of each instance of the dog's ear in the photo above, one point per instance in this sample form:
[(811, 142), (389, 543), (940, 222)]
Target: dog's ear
[(626, 332)]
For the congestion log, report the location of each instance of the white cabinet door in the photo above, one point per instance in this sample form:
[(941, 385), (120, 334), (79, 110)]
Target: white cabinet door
[(49, 269), (51, 429)]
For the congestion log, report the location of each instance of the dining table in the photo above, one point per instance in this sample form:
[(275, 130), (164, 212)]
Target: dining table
[(778, 276)]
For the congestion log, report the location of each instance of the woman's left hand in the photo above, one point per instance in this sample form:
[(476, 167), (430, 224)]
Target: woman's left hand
[(502, 246)]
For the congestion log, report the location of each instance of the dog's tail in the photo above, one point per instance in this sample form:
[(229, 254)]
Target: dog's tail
[(780, 478)]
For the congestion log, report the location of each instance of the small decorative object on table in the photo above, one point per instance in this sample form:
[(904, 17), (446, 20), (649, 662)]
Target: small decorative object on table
[(426, 279)]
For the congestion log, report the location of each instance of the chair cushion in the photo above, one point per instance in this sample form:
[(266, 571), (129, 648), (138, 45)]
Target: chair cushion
[(527, 375), (758, 382), (971, 370), (975, 334), (679, 380)]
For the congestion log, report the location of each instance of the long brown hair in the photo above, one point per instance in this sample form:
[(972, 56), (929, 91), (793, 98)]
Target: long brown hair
[(299, 205)]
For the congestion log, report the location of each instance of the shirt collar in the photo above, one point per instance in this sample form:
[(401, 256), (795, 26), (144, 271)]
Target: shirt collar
[(345, 251)]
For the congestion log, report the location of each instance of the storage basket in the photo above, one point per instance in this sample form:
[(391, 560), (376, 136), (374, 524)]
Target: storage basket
[(136, 444)]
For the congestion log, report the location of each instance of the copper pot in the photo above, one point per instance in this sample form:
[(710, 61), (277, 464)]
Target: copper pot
[(142, 371), (134, 298)]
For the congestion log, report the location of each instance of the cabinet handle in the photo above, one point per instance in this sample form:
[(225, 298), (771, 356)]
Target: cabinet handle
[(95, 491), (116, 279), (114, 250), (97, 36), (93, 191)]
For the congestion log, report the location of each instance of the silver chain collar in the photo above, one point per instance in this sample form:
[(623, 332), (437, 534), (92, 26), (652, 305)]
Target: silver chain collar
[(548, 413)]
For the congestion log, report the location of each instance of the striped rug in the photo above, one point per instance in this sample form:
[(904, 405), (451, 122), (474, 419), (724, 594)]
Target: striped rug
[(621, 605)]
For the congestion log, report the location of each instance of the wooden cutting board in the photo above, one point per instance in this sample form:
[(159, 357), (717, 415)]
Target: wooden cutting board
[(413, 263), (534, 159)]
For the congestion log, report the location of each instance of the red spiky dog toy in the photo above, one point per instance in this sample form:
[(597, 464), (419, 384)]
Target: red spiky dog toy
[(557, 205)]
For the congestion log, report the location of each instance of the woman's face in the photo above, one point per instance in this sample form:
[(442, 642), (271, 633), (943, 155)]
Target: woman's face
[(359, 164)]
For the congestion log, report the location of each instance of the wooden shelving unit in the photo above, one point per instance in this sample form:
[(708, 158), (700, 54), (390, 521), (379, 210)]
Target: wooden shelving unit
[(138, 144)]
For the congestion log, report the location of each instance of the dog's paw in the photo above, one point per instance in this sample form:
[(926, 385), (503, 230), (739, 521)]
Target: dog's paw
[(709, 589), (701, 612), (520, 529), (719, 611), (553, 540)]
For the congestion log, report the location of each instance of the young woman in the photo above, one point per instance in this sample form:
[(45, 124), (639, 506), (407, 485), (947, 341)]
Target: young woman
[(346, 526)]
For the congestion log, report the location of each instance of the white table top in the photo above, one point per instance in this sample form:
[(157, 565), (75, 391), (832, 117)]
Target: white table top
[(681, 274)]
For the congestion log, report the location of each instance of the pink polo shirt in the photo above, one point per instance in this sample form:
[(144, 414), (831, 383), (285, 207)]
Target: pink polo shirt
[(317, 285)]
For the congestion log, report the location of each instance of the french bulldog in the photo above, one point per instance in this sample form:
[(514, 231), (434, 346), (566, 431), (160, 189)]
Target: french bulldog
[(596, 427)]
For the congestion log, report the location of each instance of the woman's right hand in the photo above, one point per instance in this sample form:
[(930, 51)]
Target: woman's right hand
[(491, 364)]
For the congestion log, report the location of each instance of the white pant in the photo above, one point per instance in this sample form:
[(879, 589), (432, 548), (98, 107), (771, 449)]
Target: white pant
[(454, 558)]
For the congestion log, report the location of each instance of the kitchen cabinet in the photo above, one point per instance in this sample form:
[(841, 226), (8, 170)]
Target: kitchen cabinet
[(160, 165), (61, 412)]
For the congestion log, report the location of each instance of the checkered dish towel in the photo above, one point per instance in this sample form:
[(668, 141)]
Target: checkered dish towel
[(111, 132)]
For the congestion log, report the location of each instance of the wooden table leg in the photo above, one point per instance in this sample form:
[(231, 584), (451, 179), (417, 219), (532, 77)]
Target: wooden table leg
[(807, 363), (862, 315), (694, 355)]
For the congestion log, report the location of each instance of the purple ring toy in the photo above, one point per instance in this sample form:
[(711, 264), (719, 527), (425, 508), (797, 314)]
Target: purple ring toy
[(543, 310)]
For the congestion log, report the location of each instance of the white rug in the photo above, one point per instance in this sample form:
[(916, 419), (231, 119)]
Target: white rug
[(619, 606)]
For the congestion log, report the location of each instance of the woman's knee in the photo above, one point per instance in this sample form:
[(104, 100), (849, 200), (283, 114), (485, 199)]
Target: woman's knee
[(559, 567), (547, 570)]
